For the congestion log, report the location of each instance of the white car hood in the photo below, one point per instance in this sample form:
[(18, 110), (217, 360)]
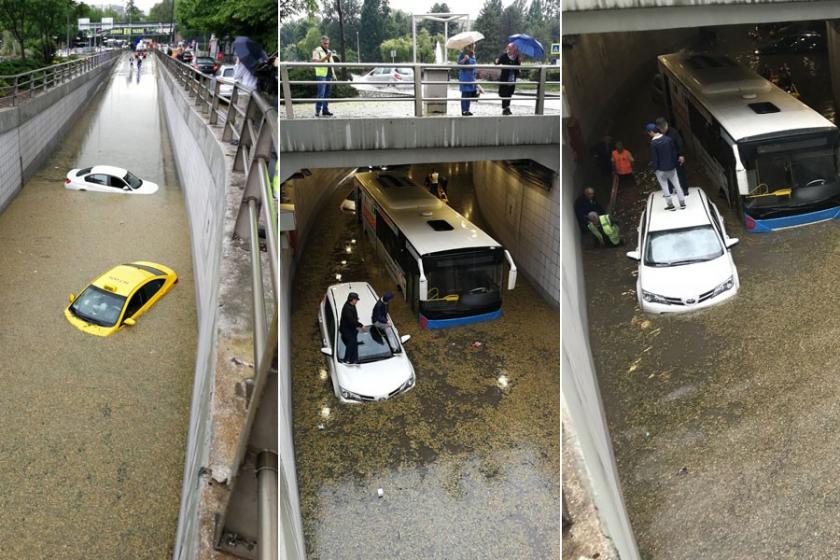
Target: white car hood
[(689, 280), (375, 379)]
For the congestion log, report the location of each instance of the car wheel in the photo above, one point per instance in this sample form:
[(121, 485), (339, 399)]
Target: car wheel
[(82, 190)]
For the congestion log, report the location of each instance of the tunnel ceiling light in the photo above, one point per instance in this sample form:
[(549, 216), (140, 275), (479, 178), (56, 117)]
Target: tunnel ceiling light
[(353, 241), (348, 249), (338, 277), (343, 262)]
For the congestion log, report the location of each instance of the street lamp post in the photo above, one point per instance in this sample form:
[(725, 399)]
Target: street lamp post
[(358, 50)]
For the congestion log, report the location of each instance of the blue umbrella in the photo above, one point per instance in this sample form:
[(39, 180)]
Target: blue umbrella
[(249, 52), (527, 45)]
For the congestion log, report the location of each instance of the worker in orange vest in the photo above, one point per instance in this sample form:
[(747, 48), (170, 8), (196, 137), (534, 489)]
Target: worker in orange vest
[(622, 161)]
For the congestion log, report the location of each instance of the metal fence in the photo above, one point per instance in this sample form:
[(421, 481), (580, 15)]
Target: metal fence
[(538, 89), (16, 88), (254, 129)]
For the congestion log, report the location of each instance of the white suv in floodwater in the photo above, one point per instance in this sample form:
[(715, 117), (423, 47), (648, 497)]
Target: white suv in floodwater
[(684, 257)]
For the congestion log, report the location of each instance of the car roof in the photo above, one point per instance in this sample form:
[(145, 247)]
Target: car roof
[(367, 298), (109, 170), (123, 279), (695, 213)]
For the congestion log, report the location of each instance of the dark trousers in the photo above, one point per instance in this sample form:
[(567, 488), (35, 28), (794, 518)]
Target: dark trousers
[(506, 91), (683, 180), (351, 344), (323, 93), (466, 96)]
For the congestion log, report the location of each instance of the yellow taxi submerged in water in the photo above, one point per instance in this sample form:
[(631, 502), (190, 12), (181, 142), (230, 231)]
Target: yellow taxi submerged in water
[(119, 297)]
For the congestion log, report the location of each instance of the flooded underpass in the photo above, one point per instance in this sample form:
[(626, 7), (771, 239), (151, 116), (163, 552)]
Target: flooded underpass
[(92, 446), (722, 421), (469, 468)]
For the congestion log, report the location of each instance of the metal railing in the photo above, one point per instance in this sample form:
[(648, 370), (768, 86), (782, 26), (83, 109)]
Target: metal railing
[(415, 86), (254, 129), (206, 90), (19, 87)]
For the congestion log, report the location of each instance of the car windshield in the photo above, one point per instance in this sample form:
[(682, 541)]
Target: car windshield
[(374, 345), (228, 73), (457, 276), (133, 180), (683, 246), (98, 306), (204, 60)]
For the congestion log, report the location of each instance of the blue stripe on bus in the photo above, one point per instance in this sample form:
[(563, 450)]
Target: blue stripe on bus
[(457, 322), (770, 224)]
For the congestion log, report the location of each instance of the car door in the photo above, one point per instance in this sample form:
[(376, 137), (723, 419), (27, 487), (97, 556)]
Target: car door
[(117, 183), (97, 182), (142, 298)]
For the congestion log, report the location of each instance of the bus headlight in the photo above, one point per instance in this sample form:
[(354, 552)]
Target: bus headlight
[(650, 297)]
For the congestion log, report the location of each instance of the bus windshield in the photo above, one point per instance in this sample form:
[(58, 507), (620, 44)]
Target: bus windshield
[(464, 278), (795, 169)]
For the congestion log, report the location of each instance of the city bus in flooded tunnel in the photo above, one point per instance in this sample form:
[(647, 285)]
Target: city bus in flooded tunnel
[(448, 270), (773, 157)]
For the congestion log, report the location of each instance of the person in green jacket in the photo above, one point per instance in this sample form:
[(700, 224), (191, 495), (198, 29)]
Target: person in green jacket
[(604, 230)]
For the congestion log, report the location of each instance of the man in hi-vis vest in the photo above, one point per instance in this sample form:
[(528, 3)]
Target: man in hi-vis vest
[(323, 75)]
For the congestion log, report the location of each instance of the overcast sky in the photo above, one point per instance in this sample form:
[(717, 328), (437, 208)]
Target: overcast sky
[(471, 7)]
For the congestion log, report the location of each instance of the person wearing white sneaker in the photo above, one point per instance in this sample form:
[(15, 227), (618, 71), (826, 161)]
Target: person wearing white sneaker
[(663, 159)]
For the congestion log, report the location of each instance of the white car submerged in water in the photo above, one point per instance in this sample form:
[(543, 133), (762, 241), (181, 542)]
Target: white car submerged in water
[(105, 178)]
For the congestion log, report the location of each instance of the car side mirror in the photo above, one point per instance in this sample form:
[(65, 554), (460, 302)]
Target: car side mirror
[(130, 322), (731, 242), (634, 255), (405, 338), (72, 298), (126, 188), (327, 351)]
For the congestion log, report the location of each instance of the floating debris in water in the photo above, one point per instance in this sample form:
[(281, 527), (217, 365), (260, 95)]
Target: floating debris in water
[(380, 492), (476, 344), (322, 374), (325, 411), (503, 381)]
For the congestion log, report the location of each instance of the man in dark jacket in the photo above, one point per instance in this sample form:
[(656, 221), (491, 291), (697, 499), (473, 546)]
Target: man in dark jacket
[(663, 159), (585, 204), (349, 329), (508, 58), (380, 310), (675, 136)]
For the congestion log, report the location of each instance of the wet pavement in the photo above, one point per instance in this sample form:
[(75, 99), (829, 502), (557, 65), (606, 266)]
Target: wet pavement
[(469, 469), (92, 446), (367, 105), (722, 420)]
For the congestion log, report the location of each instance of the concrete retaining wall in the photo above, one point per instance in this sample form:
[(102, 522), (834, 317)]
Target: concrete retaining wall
[(526, 220), (29, 133)]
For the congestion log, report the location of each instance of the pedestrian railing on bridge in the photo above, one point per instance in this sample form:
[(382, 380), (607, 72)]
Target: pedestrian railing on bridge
[(17, 88), (254, 130), (426, 84)]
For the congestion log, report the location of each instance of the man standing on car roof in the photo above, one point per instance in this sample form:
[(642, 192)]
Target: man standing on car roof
[(676, 137), (663, 159), (349, 329)]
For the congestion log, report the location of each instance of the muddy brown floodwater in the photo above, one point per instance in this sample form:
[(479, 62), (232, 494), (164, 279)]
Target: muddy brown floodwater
[(468, 469), (93, 429)]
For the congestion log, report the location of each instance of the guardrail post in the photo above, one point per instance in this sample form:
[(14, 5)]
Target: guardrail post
[(540, 109), (287, 92), (418, 90), (214, 105)]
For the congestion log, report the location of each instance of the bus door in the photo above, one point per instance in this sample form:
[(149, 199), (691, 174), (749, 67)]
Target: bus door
[(412, 277)]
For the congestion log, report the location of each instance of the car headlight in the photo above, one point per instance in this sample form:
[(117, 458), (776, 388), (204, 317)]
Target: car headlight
[(350, 396), (650, 297), (725, 286)]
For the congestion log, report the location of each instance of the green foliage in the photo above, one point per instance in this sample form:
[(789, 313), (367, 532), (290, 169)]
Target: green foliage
[(374, 17), (161, 12), (489, 23), (256, 19), (311, 90), (133, 13)]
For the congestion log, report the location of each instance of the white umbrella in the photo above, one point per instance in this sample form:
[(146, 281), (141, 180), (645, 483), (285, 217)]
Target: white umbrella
[(461, 40)]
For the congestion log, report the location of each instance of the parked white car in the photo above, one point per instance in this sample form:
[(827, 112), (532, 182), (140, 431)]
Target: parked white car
[(349, 202), (105, 178), (684, 256), (384, 369), (387, 77), (226, 81)]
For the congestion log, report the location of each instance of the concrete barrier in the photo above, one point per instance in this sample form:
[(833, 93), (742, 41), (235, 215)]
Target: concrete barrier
[(29, 133)]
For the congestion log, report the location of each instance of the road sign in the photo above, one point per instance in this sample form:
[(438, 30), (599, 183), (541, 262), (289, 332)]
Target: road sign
[(555, 49)]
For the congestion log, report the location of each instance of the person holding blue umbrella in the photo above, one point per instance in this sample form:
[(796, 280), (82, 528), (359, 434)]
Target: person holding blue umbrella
[(527, 45), (508, 58)]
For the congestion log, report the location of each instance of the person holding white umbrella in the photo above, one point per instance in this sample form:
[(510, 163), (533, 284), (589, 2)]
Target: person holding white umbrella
[(466, 76)]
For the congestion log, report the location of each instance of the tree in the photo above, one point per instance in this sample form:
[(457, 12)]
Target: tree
[(133, 13), (161, 12), (374, 18), (513, 21), (489, 23), (437, 27), (16, 16), (288, 8), (48, 21), (256, 19)]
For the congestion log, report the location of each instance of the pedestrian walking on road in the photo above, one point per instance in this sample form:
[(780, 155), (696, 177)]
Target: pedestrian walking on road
[(324, 75), (508, 58), (663, 159), (466, 76), (349, 328), (676, 137), (433, 180)]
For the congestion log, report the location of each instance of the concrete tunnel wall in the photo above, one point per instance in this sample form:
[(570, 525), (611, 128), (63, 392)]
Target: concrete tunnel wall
[(30, 132), (213, 195)]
